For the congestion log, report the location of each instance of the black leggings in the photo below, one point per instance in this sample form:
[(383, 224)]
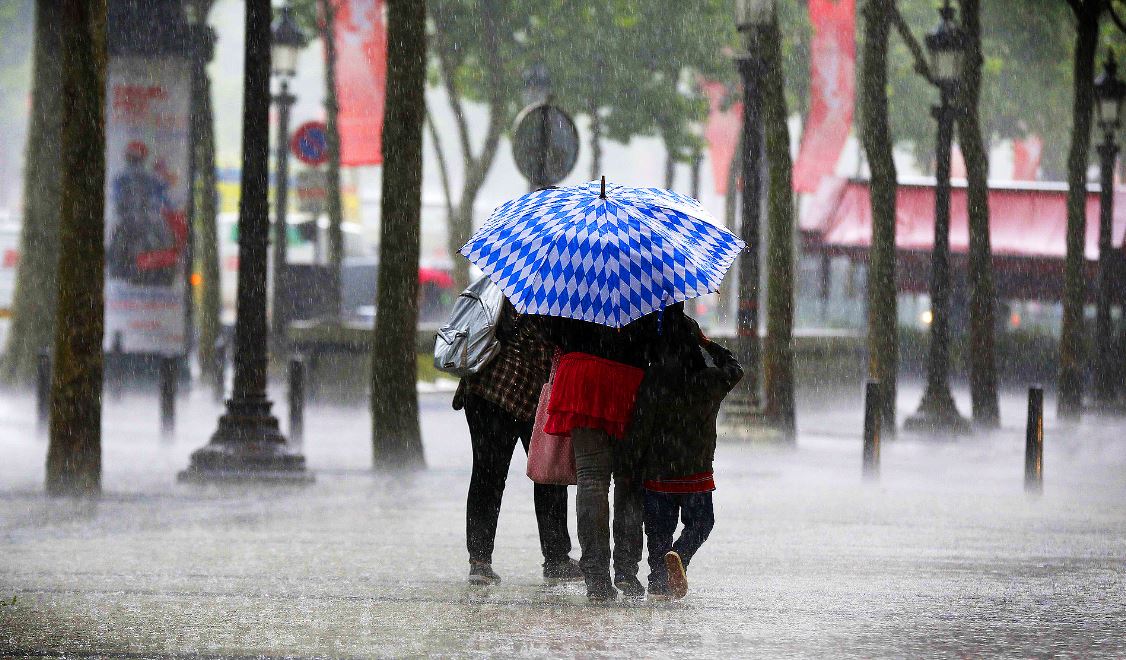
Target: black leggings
[(494, 432)]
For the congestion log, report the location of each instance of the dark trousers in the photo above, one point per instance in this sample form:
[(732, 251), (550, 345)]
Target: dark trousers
[(594, 466), (661, 513), (494, 432)]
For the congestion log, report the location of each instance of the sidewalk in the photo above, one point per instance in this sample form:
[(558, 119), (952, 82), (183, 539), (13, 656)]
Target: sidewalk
[(945, 555)]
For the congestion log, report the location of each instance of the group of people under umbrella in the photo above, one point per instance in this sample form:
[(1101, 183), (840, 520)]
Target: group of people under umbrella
[(596, 352)]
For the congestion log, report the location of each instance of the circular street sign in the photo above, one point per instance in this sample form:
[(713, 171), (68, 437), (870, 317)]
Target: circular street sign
[(545, 144), (310, 143)]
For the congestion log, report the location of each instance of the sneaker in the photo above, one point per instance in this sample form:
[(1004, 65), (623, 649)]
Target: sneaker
[(678, 580), (561, 571), (630, 586), (601, 592), (482, 575), (659, 591)]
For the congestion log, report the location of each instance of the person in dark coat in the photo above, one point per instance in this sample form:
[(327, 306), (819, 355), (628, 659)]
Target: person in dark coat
[(500, 407), (591, 402), (672, 439)]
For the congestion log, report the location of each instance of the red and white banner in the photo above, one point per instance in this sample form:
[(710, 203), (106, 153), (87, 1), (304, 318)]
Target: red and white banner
[(832, 91), (722, 130), (361, 79)]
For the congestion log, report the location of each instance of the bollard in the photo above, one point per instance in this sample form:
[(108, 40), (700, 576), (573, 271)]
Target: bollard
[(1034, 442), (43, 389), (872, 424), (296, 399), (116, 368), (220, 370), (169, 371)]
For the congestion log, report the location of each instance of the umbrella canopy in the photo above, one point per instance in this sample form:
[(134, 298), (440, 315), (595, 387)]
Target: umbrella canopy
[(603, 253)]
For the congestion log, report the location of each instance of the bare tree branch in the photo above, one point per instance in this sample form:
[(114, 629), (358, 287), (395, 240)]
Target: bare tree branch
[(921, 66), (443, 171), (453, 94)]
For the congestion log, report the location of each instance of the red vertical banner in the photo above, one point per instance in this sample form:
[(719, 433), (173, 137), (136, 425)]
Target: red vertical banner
[(721, 131), (361, 79), (832, 91)]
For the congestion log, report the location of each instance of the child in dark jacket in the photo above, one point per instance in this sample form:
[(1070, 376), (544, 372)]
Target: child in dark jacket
[(673, 436)]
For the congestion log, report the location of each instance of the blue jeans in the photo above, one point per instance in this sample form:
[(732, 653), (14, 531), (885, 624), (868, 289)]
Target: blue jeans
[(661, 513)]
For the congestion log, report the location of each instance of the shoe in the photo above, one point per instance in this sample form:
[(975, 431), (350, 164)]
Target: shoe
[(678, 580), (630, 586), (482, 575), (601, 592), (659, 591), (559, 572)]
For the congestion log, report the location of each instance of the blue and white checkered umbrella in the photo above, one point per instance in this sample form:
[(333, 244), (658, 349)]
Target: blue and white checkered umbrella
[(603, 253)]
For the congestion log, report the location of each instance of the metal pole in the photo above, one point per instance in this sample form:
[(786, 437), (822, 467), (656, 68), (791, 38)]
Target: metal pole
[(43, 389), (1034, 442), (296, 399), (745, 398), (169, 371), (937, 411), (248, 443), (872, 397), (1104, 342), (280, 318)]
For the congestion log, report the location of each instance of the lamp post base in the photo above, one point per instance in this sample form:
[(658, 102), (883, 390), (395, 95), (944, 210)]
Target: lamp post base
[(937, 414), (248, 446), (749, 422)]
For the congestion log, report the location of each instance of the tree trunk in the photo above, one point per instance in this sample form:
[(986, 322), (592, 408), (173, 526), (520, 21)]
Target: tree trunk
[(730, 207), (207, 236), (875, 135), (34, 299), (670, 161), (595, 142), (983, 295), (74, 461), (778, 353), (444, 175), (332, 176), (475, 167), (396, 438), (1071, 333)]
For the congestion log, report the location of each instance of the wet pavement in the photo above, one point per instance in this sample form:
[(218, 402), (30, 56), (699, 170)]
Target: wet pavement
[(944, 555)]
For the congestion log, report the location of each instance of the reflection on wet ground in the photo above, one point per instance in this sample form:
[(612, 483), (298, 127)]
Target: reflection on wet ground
[(944, 555)]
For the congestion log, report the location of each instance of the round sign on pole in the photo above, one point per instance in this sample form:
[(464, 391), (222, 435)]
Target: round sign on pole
[(545, 144), (310, 143)]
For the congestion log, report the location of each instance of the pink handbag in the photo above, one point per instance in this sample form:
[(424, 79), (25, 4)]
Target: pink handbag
[(550, 458)]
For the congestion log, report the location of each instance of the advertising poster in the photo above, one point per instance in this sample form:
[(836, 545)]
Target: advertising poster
[(147, 120)]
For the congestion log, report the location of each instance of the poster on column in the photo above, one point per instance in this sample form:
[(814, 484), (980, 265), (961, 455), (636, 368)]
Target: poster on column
[(148, 106)]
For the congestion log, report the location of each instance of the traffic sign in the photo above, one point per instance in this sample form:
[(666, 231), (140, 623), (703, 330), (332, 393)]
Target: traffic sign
[(310, 143), (545, 144)]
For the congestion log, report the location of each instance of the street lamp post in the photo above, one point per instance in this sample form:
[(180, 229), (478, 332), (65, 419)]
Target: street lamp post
[(1109, 95), (287, 40), (937, 412), (248, 444), (743, 404)]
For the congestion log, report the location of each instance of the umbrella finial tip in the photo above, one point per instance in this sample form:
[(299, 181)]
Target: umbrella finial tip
[(603, 195)]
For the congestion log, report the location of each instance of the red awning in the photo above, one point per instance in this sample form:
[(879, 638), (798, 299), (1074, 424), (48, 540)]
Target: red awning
[(1026, 220)]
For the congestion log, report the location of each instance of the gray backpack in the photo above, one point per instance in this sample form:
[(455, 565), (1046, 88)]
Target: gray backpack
[(468, 340)]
